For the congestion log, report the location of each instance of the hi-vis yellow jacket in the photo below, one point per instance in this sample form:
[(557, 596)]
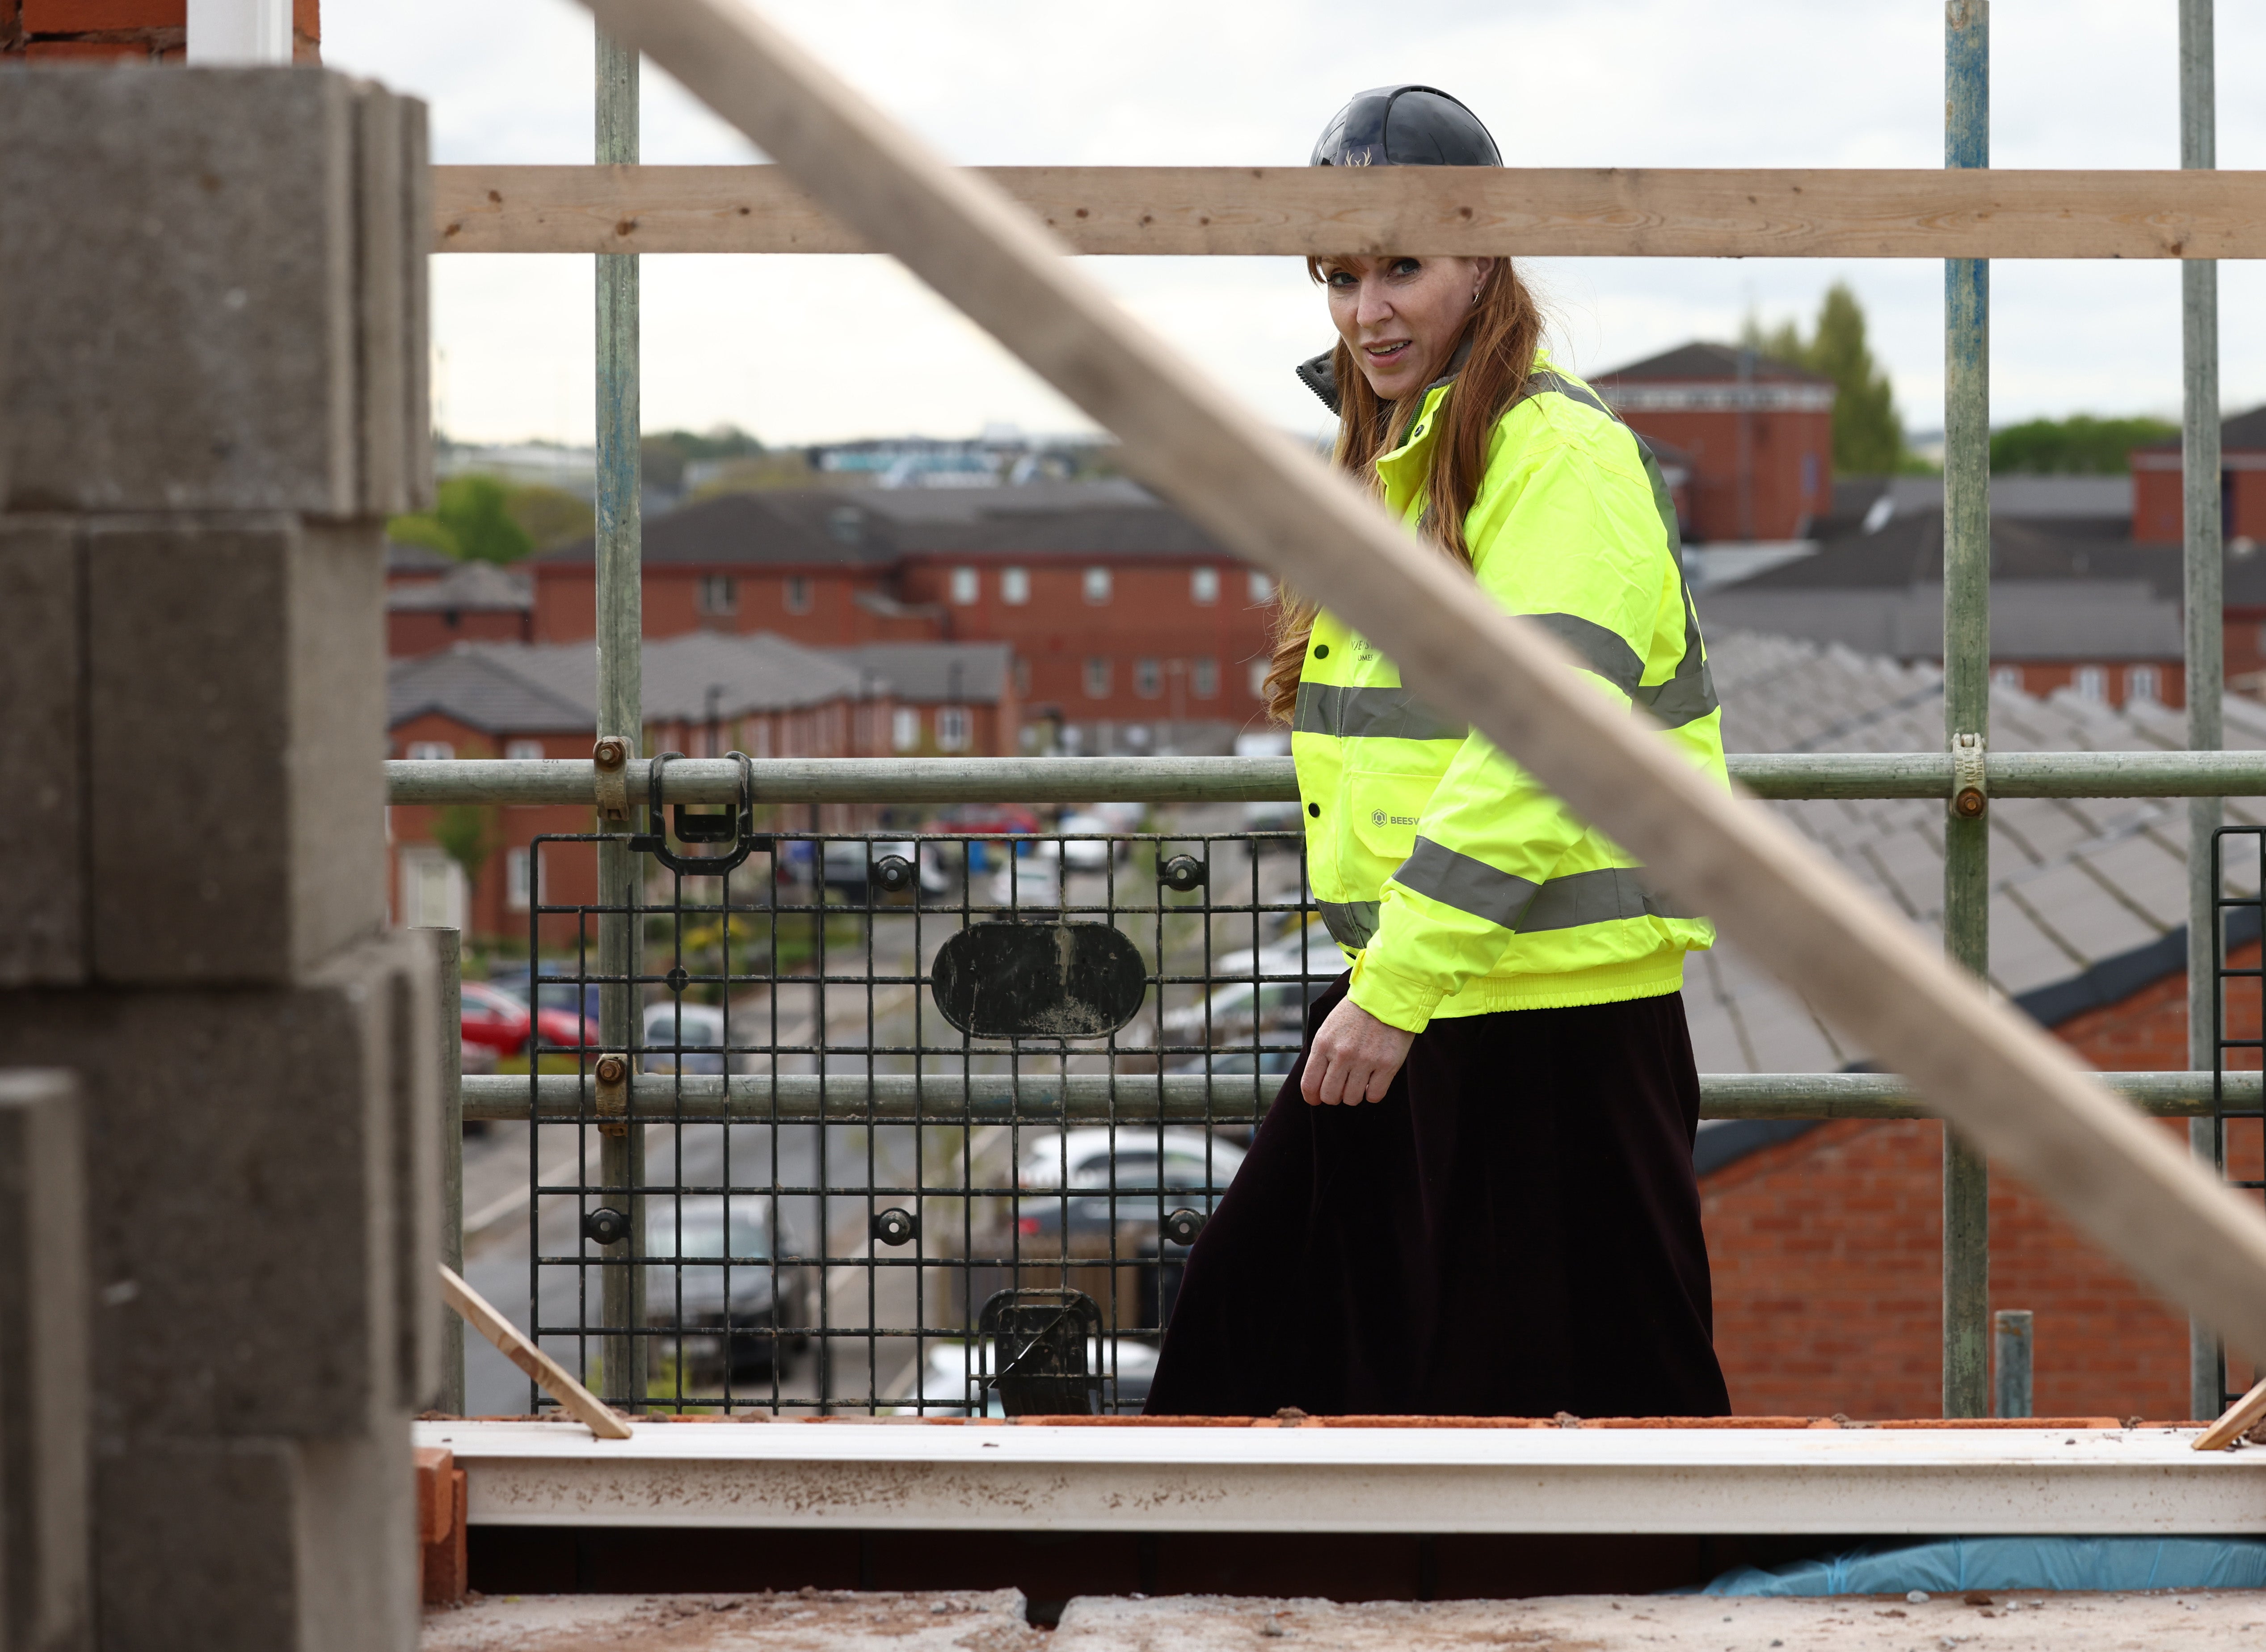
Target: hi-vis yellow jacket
[(1457, 885)]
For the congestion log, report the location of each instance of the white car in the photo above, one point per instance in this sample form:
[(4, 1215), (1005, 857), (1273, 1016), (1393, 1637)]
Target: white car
[(695, 1044)]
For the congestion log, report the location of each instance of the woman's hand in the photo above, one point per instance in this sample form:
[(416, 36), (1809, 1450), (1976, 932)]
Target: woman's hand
[(1354, 1058)]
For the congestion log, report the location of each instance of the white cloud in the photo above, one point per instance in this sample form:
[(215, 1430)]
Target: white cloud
[(800, 349)]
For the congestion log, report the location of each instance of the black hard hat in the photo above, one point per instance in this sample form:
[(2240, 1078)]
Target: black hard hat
[(1404, 126)]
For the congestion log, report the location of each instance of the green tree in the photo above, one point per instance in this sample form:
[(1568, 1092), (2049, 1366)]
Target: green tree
[(551, 516), (2080, 445), (1869, 438), (472, 521), (467, 835)]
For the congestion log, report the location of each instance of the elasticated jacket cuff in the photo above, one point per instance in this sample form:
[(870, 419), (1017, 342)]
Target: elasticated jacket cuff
[(1398, 1000)]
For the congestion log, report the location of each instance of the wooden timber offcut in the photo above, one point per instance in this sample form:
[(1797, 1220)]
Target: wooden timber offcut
[(1290, 211)]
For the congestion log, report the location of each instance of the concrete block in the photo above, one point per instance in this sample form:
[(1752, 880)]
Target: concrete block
[(236, 718), (394, 207), (251, 1235), (218, 1545), (43, 897), (44, 1443), (187, 326)]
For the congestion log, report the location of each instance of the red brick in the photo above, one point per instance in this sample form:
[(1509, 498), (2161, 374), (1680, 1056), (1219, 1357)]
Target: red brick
[(60, 50), (86, 17)]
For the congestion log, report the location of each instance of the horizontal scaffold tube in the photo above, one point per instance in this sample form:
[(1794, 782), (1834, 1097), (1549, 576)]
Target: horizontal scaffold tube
[(1270, 779), (1130, 1098)]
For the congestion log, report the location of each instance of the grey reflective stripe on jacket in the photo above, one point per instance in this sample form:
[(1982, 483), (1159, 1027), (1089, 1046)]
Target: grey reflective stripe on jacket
[(1351, 923), (1472, 885), (1369, 713), (1690, 693)]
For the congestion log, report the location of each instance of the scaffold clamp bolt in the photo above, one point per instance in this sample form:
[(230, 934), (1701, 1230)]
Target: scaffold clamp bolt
[(610, 761), (1970, 791), (612, 1074)]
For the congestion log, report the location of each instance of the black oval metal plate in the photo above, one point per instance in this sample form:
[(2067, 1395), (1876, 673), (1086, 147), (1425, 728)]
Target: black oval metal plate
[(1039, 979)]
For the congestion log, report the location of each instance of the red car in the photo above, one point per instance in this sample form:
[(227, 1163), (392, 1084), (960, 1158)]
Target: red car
[(495, 1020)]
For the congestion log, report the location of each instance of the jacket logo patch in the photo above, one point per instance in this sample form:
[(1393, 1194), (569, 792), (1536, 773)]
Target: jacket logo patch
[(1378, 818)]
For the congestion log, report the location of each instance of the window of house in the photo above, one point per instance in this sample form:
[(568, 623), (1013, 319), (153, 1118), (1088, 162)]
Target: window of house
[(1262, 587), (2141, 683), (1097, 585), (430, 751), (717, 594), (1203, 587), (798, 594), (953, 726), (2091, 682), (1203, 678), (523, 751), (1022, 679), (1259, 678), (518, 864), (1809, 474), (905, 728), (1148, 679), (758, 738), (1014, 586), (1097, 679), (2006, 676), (967, 586)]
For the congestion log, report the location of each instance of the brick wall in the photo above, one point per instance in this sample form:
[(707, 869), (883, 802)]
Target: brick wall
[(145, 30), (1790, 465), (1827, 1257), (2157, 485)]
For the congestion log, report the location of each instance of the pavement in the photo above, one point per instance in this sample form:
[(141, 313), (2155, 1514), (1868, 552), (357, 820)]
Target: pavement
[(996, 1621)]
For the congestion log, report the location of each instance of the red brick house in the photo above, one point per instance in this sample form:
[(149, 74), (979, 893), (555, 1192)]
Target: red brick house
[(1126, 626), (2158, 484), (467, 602), (1755, 436), (1826, 1238), (704, 694)]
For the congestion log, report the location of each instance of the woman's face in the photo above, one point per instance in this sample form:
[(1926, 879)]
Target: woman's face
[(1401, 317)]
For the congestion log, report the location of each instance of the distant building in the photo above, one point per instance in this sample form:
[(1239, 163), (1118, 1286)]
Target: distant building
[(705, 695), (1755, 435), (2074, 604), (470, 601), (2158, 484), (1127, 628)]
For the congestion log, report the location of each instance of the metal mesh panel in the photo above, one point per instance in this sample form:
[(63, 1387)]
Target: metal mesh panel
[(2237, 1022), (839, 1180)]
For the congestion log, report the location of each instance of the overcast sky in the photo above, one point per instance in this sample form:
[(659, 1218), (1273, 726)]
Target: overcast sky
[(801, 349)]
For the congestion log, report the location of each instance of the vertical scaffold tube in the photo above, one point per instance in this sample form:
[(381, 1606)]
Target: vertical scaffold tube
[(2200, 533), (1966, 688), (621, 1158)]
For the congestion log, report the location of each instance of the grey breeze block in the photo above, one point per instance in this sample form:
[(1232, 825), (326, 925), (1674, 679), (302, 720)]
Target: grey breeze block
[(263, 1245), (235, 713), (216, 292)]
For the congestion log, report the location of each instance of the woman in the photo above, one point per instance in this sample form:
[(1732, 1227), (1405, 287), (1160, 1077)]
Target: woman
[(1474, 1194)]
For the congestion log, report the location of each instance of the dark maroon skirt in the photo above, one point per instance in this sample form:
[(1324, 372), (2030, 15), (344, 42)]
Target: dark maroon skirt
[(1514, 1230)]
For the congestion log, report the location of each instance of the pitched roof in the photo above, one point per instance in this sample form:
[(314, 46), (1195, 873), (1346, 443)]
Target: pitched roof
[(2088, 896), (471, 587), (414, 560), (510, 687), (935, 673), (2030, 619), (873, 528), (1709, 361), (2244, 431)]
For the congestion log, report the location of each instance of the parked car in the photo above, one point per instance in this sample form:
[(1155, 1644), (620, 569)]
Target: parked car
[(554, 988), (688, 1038), (739, 1310), (849, 864), (1117, 1182), (954, 1379), (493, 1019), (1235, 1011)]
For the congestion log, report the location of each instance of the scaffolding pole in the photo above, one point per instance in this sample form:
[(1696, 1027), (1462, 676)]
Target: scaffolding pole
[(2204, 609), (621, 1158), (1967, 691)]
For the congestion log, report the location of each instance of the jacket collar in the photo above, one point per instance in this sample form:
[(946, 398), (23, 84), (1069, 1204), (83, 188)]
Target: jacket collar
[(1320, 373)]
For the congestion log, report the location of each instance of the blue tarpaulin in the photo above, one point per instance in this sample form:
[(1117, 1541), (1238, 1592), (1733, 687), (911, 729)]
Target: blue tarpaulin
[(1951, 1565)]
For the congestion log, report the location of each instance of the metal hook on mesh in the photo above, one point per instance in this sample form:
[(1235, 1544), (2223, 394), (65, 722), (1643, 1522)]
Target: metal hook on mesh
[(732, 825)]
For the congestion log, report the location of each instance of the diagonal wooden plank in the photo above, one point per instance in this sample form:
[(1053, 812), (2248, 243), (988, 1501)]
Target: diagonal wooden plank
[(1600, 212), (2006, 1084)]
